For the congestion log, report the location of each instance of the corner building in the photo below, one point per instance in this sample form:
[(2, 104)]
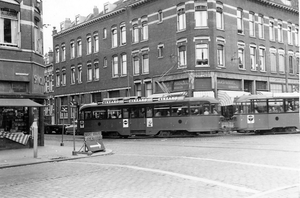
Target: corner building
[(21, 69), (204, 47)]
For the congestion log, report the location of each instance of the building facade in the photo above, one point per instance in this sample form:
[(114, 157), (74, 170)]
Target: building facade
[(21, 67), (215, 48)]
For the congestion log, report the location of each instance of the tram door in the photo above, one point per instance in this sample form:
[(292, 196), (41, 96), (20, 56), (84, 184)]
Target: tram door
[(137, 120)]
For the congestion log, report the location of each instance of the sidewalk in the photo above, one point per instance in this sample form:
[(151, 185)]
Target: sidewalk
[(52, 151)]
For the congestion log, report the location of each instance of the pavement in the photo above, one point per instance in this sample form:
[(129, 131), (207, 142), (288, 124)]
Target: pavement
[(48, 153)]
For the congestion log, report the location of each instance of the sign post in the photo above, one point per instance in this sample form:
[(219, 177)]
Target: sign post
[(74, 105), (64, 109)]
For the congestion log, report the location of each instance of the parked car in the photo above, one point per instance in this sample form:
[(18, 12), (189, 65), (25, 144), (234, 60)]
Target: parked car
[(54, 128), (69, 129)]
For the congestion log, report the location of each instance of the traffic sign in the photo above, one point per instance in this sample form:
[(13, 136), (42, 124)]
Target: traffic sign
[(64, 109), (93, 141)]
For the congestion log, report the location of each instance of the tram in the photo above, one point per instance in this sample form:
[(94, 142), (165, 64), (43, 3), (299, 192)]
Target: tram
[(151, 116), (261, 113)]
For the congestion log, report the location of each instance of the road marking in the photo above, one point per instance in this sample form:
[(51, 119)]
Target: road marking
[(274, 190), (208, 181), (223, 161)]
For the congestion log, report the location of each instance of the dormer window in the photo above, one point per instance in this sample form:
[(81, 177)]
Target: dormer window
[(106, 8)]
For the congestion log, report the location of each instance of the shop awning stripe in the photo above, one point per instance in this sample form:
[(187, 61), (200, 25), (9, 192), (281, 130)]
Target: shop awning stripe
[(19, 137)]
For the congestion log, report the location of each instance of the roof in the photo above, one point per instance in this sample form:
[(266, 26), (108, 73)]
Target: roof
[(149, 101), (10, 102)]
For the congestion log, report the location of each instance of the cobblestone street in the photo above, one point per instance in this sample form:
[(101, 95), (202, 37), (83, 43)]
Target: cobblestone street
[(220, 166)]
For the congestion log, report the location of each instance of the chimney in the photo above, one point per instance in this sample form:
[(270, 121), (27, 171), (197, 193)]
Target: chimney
[(95, 10), (54, 31), (67, 23)]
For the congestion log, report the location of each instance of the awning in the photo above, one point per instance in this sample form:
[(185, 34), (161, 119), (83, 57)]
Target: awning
[(9, 102), (204, 93), (227, 98), (10, 4)]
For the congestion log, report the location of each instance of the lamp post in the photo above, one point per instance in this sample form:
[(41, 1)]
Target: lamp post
[(74, 105)]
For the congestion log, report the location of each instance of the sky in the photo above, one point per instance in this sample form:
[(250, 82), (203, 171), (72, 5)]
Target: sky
[(56, 11)]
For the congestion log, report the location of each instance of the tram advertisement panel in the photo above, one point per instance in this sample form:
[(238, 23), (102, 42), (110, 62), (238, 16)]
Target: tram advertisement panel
[(250, 119)]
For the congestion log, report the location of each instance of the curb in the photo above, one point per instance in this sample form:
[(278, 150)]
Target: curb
[(59, 159)]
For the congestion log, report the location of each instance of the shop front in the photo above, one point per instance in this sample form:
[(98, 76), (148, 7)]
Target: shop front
[(16, 117)]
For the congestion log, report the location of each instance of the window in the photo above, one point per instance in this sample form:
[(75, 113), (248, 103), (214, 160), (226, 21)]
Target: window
[(220, 16), (289, 34), (63, 53), (181, 18), (291, 67), (144, 28), (64, 79), (160, 49), (57, 54), (252, 24), (262, 59), (123, 64), (261, 26), (88, 45), (138, 89), (72, 50), (200, 13), (79, 48), (281, 61), (182, 55), (96, 43), (123, 34), (297, 36), (89, 72), (135, 33), (79, 74), (37, 36), (145, 64), (201, 54), (241, 56), (136, 65), (96, 71), (273, 60), (271, 30), (57, 79), (114, 37), (104, 62), (148, 89), (9, 28), (297, 63), (72, 75), (115, 63), (240, 24), (279, 32), (104, 33), (253, 57), (160, 16), (220, 55)]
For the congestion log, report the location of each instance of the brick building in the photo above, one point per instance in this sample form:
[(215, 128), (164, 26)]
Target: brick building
[(21, 67), (216, 48)]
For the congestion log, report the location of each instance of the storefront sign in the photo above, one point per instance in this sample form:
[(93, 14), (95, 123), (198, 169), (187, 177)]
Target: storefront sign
[(229, 84), (181, 85), (202, 84)]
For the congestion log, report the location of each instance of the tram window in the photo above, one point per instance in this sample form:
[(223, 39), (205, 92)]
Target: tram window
[(260, 106), (149, 112), (125, 112), (290, 105), (207, 109), (141, 112), (113, 113), (296, 106), (99, 114), (87, 115), (214, 109), (134, 113), (161, 110), (195, 108), (178, 110)]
